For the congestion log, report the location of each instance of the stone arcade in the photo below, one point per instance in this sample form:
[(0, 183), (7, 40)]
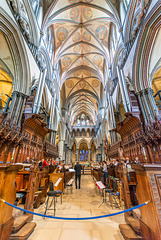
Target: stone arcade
[(80, 81)]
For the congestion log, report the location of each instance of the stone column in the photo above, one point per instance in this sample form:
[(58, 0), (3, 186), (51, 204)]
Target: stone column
[(125, 90), (150, 99), (70, 155), (13, 105), (41, 91), (66, 153), (51, 120), (96, 153), (142, 106), (113, 122), (7, 104), (122, 88), (61, 149), (18, 105), (53, 137), (37, 92), (21, 109), (77, 151), (147, 104), (89, 156)]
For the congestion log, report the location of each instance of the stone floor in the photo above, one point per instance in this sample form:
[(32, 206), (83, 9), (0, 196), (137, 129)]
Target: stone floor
[(82, 202)]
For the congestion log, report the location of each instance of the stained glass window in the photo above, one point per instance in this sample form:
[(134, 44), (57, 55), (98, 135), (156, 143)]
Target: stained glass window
[(83, 120)]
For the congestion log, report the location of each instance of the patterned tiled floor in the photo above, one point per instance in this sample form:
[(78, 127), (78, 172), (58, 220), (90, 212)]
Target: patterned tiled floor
[(82, 202)]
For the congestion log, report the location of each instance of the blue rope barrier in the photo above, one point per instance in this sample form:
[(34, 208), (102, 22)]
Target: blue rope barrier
[(76, 219)]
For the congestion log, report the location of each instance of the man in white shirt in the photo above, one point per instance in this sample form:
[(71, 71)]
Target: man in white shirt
[(105, 174)]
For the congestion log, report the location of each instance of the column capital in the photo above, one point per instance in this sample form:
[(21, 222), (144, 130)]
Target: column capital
[(149, 90), (23, 95)]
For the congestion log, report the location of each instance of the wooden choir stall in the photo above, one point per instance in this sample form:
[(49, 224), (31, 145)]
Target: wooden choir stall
[(140, 177), (25, 185)]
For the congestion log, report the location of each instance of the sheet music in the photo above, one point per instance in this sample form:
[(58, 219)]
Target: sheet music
[(70, 181), (58, 181), (100, 185)]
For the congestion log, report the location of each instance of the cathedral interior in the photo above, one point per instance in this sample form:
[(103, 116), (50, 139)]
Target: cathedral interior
[(80, 83)]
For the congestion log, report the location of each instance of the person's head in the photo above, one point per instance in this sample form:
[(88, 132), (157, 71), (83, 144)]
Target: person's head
[(104, 162), (28, 159), (77, 162)]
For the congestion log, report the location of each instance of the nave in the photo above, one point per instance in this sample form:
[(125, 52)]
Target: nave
[(80, 81), (82, 202)]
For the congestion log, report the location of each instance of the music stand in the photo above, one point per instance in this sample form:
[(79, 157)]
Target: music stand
[(101, 186)]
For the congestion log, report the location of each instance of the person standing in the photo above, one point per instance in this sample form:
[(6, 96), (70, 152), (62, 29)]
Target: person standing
[(105, 174), (77, 169)]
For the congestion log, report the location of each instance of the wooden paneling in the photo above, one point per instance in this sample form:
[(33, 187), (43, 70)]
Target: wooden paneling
[(54, 177), (148, 188), (7, 192)]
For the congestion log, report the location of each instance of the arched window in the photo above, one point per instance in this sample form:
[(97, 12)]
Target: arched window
[(83, 120)]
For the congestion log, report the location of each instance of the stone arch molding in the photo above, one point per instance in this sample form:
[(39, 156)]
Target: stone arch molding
[(22, 74), (25, 16), (146, 40), (92, 141), (83, 140)]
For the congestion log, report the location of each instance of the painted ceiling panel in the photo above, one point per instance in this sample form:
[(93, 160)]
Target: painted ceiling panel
[(80, 31)]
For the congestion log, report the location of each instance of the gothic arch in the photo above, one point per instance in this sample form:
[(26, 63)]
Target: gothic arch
[(22, 75), (144, 47), (83, 140)]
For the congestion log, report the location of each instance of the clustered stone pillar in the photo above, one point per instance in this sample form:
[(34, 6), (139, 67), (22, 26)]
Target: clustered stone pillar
[(89, 156), (70, 155), (21, 108), (147, 104), (61, 149), (77, 151), (53, 137), (113, 135), (51, 120), (124, 91), (39, 91), (16, 107)]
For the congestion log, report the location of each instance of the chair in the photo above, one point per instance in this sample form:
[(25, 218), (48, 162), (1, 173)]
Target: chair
[(109, 190), (70, 185), (109, 182), (116, 195), (54, 195)]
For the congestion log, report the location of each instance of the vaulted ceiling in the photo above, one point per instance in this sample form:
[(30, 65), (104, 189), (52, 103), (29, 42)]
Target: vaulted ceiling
[(80, 32)]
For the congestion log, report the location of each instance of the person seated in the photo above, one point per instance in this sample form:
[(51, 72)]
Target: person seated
[(54, 163), (45, 163), (40, 163), (49, 161), (61, 166), (32, 160), (116, 163), (27, 160)]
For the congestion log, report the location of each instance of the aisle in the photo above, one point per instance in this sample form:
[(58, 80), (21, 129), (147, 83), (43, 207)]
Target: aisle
[(83, 202)]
